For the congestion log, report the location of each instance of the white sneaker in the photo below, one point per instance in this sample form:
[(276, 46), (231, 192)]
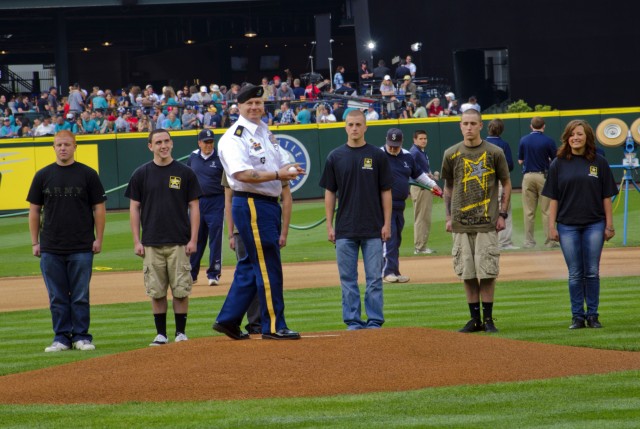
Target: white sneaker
[(214, 282), (509, 247), (391, 278), (403, 279), (181, 337), (56, 347), (84, 345), (426, 251), (159, 340)]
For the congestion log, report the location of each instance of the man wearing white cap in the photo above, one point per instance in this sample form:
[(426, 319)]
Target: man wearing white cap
[(452, 104)]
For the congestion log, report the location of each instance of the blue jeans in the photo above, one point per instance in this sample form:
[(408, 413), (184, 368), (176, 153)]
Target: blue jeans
[(67, 280), (347, 256), (582, 247)]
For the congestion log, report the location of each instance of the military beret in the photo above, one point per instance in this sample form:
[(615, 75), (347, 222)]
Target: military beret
[(248, 92)]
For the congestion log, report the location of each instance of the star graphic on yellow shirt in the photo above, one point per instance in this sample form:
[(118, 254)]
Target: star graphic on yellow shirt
[(477, 170)]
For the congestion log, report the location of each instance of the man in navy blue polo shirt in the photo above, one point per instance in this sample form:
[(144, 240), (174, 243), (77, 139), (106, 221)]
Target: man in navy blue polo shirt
[(403, 167), (208, 168), (535, 153)]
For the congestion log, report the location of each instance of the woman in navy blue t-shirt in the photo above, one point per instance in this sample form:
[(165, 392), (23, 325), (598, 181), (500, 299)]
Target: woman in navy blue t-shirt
[(580, 185)]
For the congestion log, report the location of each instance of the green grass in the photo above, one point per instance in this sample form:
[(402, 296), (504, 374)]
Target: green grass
[(303, 245), (533, 311), (526, 310)]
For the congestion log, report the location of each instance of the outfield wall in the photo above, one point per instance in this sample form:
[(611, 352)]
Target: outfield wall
[(115, 156)]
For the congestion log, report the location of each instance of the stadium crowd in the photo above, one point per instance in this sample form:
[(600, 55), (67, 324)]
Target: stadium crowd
[(137, 109)]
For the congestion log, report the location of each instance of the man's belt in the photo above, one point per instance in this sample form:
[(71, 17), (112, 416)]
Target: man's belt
[(255, 196)]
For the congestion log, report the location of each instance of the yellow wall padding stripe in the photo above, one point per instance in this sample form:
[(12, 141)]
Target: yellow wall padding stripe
[(263, 265)]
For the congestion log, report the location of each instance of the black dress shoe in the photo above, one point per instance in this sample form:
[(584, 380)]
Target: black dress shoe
[(231, 331), (593, 322), (282, 334), (577, 323)]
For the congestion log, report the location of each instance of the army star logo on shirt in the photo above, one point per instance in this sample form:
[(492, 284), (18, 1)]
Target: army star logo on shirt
[(367, 164), (174, 182), (477, 170)]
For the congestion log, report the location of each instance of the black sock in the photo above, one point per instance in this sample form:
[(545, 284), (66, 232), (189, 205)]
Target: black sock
[(181, 323), (161, 323), (487, 310), (474, 309)]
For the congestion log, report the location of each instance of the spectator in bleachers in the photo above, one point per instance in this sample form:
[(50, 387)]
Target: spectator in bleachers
[(408, 63), (169, 99), (419, 110), (286, 114), (124, 99), (158, 117), (338, 79), (387, 89), (23, 104), (232, 95), (61, 124), (144, 126), (88, 125), (217, 97), (101, 121), (76, 99), (8, 130), (109, 125), (325, 116), (268, 91), (99, 101), (121, 125), (189, 118), (434, 108), (46, 128), (304, 115), (3, 104), (234, 114), (365, 73), (298, 90), (204, 97), (172, 122), (408, 88), (285, 93), (348, 88), (267, 117), (134, 93), (471, 104), (371, 113), (212, 119), (152, 95), (402, 70), (381, 71), (42, 104), (452, 104), (311, 92), (53, 100), (276, 83)]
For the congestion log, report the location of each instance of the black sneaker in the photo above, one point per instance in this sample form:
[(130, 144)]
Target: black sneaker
[(577, 323), (593, 322), (473, 325), (489, 326)]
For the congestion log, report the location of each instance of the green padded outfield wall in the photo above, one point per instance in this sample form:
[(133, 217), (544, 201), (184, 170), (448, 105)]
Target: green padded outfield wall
[(117, 156)]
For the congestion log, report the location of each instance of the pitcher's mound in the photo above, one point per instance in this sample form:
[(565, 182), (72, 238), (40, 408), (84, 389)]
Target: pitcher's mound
[(328, 363)]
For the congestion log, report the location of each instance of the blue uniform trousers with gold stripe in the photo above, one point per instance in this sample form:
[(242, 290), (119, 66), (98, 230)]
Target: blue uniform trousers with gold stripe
[(259, 224)]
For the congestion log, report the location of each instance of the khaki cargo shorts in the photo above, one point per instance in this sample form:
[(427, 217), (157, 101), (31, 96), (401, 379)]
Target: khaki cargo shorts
[(476, 255), (164, 267)]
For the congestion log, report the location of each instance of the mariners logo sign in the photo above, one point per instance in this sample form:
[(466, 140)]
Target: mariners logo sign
[(297, 153)]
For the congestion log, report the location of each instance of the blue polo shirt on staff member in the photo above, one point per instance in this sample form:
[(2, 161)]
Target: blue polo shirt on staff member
[(208, 168)]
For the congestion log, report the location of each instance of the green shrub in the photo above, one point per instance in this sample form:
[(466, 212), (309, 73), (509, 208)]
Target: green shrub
[(518, 107)]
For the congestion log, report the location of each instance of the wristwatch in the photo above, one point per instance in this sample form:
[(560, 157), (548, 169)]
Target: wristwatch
[(503, 215)]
